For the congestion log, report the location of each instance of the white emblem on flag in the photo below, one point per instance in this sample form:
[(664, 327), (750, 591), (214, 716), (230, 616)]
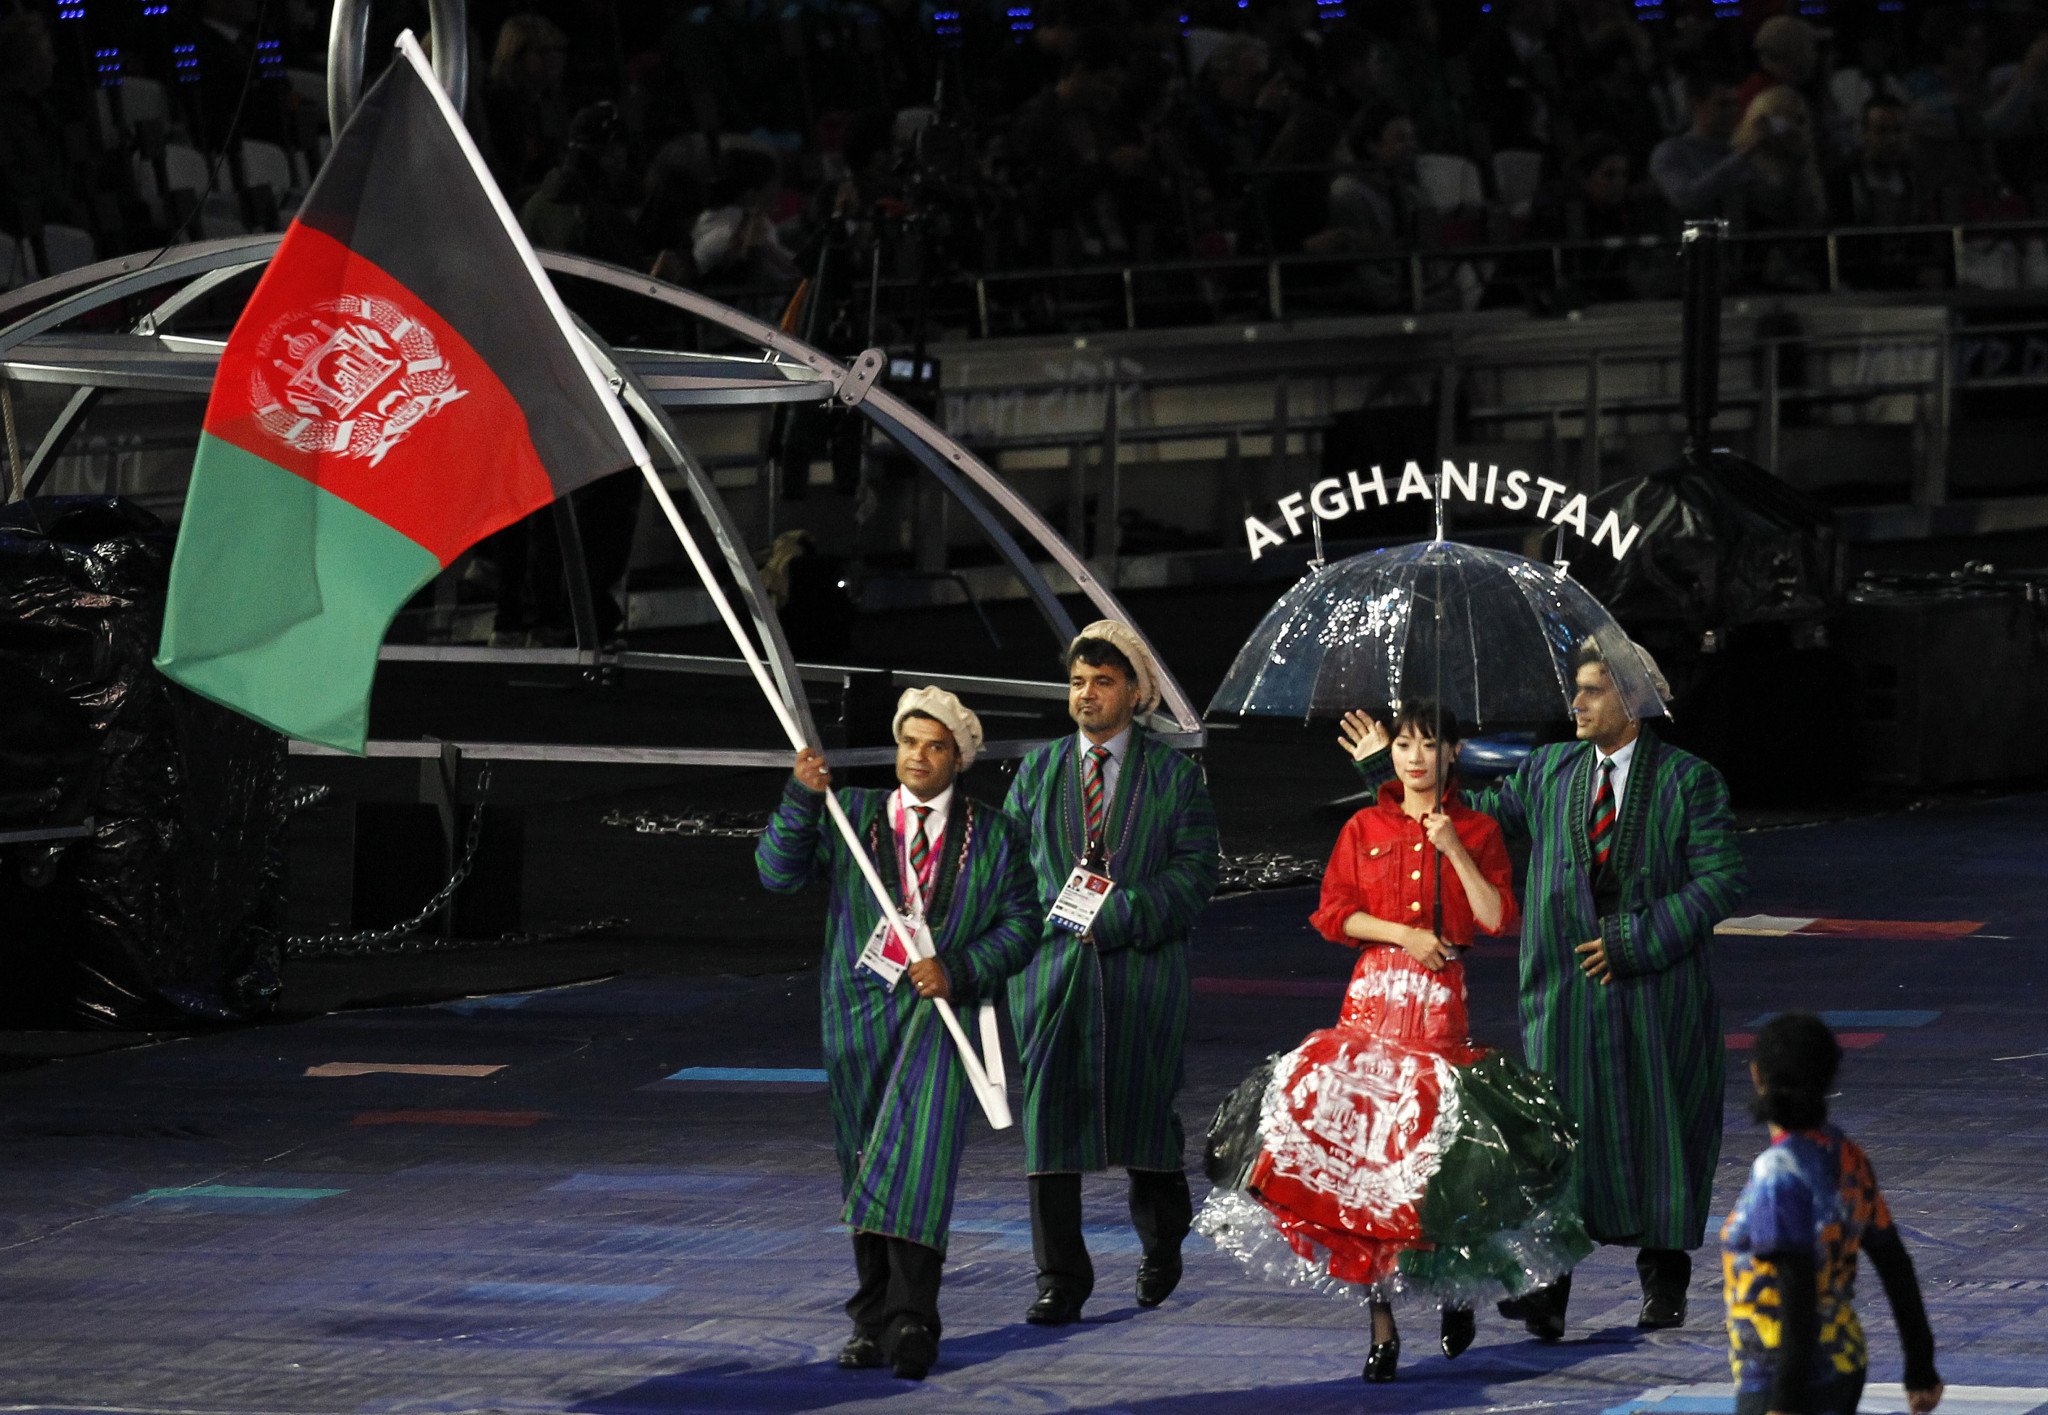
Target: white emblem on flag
[(351, 377)]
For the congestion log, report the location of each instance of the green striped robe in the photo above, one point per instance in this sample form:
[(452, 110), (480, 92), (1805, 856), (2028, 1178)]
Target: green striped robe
[(901, 1102), (1638, 1063), (1101, 1027)]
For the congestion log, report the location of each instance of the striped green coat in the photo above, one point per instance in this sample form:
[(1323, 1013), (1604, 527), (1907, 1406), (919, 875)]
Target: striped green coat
[(901, 1102), (1101, 1027), (1638, 1063)]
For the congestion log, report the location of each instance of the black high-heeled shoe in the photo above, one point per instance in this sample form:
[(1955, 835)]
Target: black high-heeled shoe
[(1458, 1331), (1385, 1356)]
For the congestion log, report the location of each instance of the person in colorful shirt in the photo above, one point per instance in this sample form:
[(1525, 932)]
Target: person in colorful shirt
[(1632, 861), (1789, 1249), (1102, 1015), (1368, 1130), (901, 1100)]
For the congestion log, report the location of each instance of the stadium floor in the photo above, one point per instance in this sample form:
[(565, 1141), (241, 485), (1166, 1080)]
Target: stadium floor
[(619, 1196)]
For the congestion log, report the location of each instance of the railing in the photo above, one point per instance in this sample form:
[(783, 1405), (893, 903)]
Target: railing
[(1142, 295)]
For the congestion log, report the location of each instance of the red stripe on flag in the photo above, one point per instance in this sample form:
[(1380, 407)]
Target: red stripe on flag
[(432, 444)]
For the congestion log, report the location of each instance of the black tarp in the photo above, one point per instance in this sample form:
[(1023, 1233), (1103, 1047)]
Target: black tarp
[(171, 911), (1723, 543)]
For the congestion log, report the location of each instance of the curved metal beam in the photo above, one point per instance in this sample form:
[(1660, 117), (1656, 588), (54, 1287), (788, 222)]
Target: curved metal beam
[(906, 418), (719, 517), (348, 43), (74, 411), (112, 280)]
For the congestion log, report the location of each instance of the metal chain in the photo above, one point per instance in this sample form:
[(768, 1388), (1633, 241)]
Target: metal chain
[(1241, 874), (715, 824), (380, 940)]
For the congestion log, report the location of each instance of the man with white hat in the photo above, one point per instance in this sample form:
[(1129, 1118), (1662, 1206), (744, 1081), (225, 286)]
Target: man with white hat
[(901, 1100), (1123, 844), (1632, 861)]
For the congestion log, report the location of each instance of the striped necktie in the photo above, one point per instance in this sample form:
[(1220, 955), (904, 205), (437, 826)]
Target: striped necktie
[(1600, 833), (920, 855), (1092, 790)]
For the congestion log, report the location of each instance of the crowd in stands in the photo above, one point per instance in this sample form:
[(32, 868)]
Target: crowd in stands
[(734, 144)]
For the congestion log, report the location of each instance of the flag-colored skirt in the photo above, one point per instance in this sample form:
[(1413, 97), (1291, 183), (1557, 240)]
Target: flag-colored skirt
[(1389, 1155)]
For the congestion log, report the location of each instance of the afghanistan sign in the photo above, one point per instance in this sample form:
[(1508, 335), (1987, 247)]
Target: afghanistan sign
[(1333, 498), (402, 383)]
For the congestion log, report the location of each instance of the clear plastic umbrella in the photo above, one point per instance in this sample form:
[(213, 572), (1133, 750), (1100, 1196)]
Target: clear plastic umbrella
[(1489, 635)]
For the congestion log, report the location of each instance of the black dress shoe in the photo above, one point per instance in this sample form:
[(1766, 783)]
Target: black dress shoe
[(1156, 1280), (1053, 1309), (916, 1350), (1381, 1361), (1662, 1311), (1458, 1331), (861, 1353)]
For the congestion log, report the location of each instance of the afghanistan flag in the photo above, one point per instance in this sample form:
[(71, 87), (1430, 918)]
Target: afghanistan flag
[(402, 383)]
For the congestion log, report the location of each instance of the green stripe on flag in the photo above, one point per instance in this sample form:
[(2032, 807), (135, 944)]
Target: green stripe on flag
[(280, 597)]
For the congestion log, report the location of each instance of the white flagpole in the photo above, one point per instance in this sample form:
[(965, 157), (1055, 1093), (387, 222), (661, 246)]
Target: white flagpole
[(994, 1098)]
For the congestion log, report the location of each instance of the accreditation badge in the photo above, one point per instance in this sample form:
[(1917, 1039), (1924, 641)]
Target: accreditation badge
[(1081, 899), (884, 955)]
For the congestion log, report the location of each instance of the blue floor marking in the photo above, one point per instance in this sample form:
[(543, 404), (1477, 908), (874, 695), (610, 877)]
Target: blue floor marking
[(228, 1196), (789, 1075), (1903, 1017), (622, 1294), (667, 1183)]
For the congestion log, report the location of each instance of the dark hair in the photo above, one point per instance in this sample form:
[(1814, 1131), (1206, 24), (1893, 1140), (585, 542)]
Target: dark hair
[(741, 170), (1877, 102), (1594, 149), (1431, 719), (1702, 80), (920, 712), (1101, 653), (1796, 1058), (1371, 125), (1096, 50)]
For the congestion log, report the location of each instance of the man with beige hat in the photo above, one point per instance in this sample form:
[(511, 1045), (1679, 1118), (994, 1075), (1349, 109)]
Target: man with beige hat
[(901, 1100), (1123, 846)]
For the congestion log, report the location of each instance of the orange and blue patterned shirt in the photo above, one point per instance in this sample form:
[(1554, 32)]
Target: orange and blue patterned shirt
[(1814, 1190)]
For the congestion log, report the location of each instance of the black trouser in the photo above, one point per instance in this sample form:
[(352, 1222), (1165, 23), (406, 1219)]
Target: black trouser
[(899, 1283), (1162, 1210), (1662, 1270)]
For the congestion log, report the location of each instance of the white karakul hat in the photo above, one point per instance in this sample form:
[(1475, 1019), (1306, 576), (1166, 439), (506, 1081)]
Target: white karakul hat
[(1126, 641), (937, 703)]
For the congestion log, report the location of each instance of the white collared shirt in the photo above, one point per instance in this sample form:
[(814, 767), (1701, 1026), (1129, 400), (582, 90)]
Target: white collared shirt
[(1111, 769), (1621, 759), (900, 821)]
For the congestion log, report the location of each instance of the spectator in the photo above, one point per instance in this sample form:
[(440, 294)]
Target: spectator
[(1405, 68), (577, 206), (525, 115), (1073, 150), (232, 81), (1786, 194), (1956, 112), (1787, 52), (34, 187), (1379, 204), (1516, 84), (1881, 189), (1613, 77), (1240, 106), (1701, 171), (1598, 204), (734, 242)]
